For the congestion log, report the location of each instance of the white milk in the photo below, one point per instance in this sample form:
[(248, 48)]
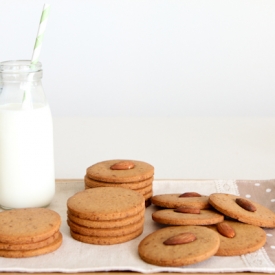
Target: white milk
[(26, 156)]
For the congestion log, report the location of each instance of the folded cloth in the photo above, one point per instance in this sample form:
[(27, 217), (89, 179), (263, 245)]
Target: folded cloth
[(74, 256)]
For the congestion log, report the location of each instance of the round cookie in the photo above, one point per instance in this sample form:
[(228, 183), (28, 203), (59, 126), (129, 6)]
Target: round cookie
[(106, 203), (32, 252), (108, 223), (131, 185), (29, 225), (153, 251), (146, 196), (226, 204), (248, 238), (174, 201), (170, 217), (106, 240), (106, 232), (29, 246), (143, 191), (102, 171)]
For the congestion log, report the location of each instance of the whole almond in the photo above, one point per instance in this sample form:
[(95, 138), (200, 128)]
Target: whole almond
[(245, 204), (182, 238), (123, 165), (186, 209), (226, 230), (189, 195)]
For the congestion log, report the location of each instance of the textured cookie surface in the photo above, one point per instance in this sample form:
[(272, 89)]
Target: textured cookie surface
[(248, 238), (143, 191), (22, 226), (131, 185), (174, 201), (170, 217), (32, 252), (29, 246), (152, 249), (106, 232), (226, 204), (102, 171), (148, 195), (108, 223), (106, 203), (106, 240)]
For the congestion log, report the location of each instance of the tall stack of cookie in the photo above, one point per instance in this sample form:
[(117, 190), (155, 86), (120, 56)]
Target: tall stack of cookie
[(131, 174), (29, 232), (106, 215)]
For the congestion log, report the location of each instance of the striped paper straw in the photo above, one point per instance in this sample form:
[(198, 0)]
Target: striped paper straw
[(27, 99), (40, 34)]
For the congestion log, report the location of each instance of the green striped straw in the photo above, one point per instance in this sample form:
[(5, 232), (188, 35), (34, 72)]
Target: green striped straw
[(27, 100), (40, 34)]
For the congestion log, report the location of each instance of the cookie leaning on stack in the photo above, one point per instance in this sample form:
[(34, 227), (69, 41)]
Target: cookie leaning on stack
[(29, 232), (131, 174), (229, 206), (246, 238), (106, 215)]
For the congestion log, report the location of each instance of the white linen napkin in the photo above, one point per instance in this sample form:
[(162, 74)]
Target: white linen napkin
[(74, 256)]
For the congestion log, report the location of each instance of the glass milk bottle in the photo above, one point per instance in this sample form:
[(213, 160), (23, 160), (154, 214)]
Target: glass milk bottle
[(26, 137)]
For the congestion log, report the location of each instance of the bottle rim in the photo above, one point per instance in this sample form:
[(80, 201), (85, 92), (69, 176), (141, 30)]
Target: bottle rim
[(19, 66)]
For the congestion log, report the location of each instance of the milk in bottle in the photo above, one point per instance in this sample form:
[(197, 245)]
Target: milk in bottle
[(26, 137)]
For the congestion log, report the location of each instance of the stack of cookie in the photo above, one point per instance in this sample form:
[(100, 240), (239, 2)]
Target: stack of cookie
[(188, 208), (29, 232), (106, 215), (131, 174)]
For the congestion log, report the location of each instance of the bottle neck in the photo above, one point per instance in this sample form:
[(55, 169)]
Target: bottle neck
[(20, 83), (20, 71)]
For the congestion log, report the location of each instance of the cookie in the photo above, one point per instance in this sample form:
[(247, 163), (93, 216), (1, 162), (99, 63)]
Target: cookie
[(104, 171), (106, 232), (29, 246), (106, 203), (175, 201), (23, 226), (226, 204), (143, 191), (153, 250), (248, 238), (170, 217), (131, 185), (32, 252), (106, 224), (148, 195), (106, 240)]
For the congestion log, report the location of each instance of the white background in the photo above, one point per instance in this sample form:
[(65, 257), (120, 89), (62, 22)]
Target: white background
[(185, 85)]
